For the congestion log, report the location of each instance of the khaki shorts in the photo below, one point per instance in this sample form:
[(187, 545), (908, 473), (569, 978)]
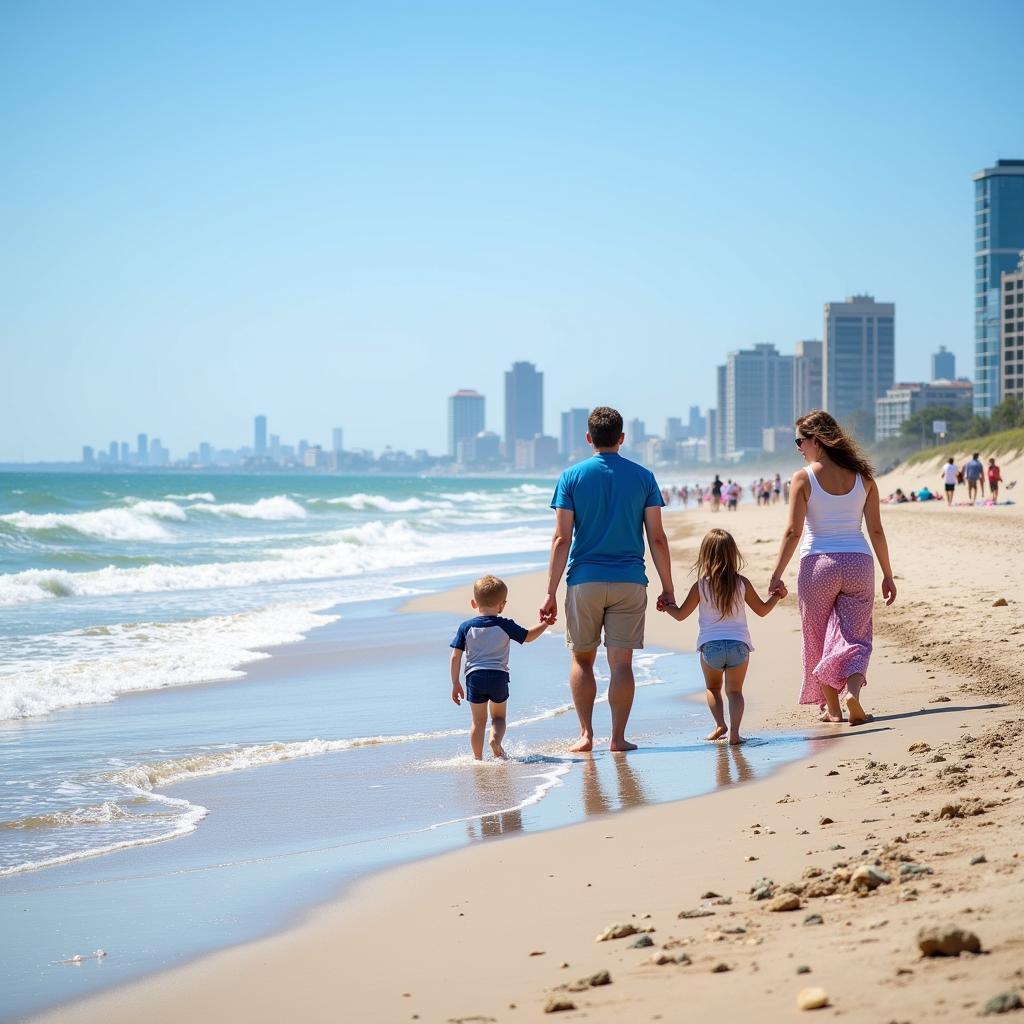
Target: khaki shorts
[(617, 607)]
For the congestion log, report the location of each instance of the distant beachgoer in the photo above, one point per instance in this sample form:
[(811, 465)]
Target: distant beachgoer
[(995, 478), (603, 507), (974, 475), (925, 494), (776, 489), (949, 477), (831, 497), (484, 640), (723, 640), (732, 495), (785, 491), (684, 494), (716, 493)]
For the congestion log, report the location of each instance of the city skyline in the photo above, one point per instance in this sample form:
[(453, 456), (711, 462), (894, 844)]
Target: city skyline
[(189, 249)]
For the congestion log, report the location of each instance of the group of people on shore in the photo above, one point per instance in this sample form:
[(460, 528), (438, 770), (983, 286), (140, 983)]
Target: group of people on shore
[(604, 507), (973, 473), (718, 494)]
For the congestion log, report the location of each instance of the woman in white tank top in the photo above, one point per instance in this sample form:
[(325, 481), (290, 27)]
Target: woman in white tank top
[(835, 589)]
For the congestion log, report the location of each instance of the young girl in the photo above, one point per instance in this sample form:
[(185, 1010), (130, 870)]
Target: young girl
[(723, 640)]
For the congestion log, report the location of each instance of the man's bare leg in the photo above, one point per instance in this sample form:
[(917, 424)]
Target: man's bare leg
[(584, 692), (620, 695)]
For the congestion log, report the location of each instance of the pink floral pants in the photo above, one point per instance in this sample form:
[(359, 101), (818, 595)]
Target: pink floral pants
[(836, 595)]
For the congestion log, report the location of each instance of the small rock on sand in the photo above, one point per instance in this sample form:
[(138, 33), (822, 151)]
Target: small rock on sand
[(661, 958), (814, 919), (918, 748), (803, 969), (536, 952), (710, 895), (867, 878), (915, 870), (721, 968), (947, 940), (811, 999), (642, 943), (939, 700), (698, 912), (825, 821), (1000, 602), (556, 1004), (962, 809), (980, 859), (617, 931), (598, 979), (1002, 1003), (786, 901)]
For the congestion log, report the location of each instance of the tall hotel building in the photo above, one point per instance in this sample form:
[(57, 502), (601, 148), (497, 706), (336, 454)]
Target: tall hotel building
[(465, 418), (758, 394), (858, 361), (573, 443), (806, 378), (524, 405), (1011, 366), (998, 241), (260, 435)]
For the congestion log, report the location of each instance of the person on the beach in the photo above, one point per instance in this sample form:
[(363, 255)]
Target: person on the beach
[(716, 493), (835, 589), (949, 476), (723, 638), (974, 474), (995, 478), (484, 640), (603, 506)]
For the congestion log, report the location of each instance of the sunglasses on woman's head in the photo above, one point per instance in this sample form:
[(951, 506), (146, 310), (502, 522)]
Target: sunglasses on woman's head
[(800, 441)]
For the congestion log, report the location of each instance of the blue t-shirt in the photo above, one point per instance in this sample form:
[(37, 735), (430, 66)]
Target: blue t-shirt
[(608, 495), (485, 641)]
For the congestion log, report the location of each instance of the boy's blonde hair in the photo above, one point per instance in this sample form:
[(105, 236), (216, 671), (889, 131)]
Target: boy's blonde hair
[(489, 591), (719, 562)]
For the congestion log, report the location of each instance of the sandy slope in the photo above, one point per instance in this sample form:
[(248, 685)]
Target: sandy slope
[(451, 939)]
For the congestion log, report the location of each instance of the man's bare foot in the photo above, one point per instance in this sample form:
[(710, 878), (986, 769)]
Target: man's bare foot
[(497, 749), (583, 745), (618, 746), (735, 741), (857, 713), (717, 733)]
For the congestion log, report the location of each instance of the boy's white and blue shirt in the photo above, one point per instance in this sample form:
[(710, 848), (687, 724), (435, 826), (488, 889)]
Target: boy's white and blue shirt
[(485, 639)]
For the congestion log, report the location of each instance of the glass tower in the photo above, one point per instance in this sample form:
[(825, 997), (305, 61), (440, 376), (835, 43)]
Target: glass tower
[(998, 241), (858, 355)]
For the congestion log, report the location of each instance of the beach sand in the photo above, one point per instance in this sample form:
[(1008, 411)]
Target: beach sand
[(495, 931)]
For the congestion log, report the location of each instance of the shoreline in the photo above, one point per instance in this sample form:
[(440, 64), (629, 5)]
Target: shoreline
[(405, 914)]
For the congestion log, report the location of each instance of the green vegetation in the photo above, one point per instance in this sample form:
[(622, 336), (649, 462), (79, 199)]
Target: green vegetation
[(1005, 442)]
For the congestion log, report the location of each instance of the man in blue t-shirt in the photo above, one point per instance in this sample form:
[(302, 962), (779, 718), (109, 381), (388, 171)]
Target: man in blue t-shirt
[(602, 507)]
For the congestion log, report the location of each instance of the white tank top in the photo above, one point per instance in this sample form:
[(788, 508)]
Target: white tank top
[(833, 520), (712, 625)]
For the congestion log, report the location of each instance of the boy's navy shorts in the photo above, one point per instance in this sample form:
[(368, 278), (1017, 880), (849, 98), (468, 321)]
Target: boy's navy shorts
[(487, 684)]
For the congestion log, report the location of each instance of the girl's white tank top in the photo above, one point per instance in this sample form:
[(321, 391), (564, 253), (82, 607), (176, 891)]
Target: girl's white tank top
[(712, 625), (833, 521)]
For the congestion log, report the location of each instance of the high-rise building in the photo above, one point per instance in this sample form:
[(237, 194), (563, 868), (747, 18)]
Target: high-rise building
[(722, 411), (275, 447), (711, 436), (943, 365), (573, 442), (806, 377), (142, 453), (205, 453), (88, 455), (696, 422), (1011, 364), (259, 446), (126, 452), (858, 355), (112, 451), (998, 240), (636, 433), (901, 401), (540, 452), (674, 430), (465, 418), (759, 394), (337, 437), (524, 405), (158, 454)]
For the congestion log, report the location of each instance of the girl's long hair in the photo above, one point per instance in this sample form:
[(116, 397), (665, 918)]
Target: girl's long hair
[(838, 445), (718, 567)]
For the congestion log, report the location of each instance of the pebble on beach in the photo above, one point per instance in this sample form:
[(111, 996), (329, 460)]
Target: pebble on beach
[(617, 931), (642, 942), (867, 878), (556, 1004), (814, 919), (811, 999), (721, 968), (947, 940), (787, 901), (1002, 1003)]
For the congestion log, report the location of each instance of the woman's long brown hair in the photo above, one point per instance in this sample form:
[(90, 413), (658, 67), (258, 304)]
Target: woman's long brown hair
[(718, 564), (838, 445)]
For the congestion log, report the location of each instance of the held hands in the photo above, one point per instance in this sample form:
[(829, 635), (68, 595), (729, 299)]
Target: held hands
[(666, 600), (888, 589), (777, 588), (549, 610), (458, 693)]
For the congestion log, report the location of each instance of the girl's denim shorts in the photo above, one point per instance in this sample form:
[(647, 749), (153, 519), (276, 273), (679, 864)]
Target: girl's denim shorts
[(719, 654)]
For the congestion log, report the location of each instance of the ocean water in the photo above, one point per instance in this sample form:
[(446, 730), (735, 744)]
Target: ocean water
[(213, 715)]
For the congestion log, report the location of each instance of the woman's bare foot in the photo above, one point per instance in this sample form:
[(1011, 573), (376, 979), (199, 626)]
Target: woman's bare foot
[(618, 746), (827, 716), (583, 745), (735, 741), (497, 749), (857, 714), (717, 733)]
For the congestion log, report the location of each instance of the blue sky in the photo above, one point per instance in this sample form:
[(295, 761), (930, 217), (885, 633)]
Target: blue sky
[(337, 214)]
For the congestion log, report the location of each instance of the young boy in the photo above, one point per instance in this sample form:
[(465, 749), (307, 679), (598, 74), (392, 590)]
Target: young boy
[(485, 639)]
